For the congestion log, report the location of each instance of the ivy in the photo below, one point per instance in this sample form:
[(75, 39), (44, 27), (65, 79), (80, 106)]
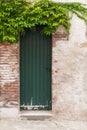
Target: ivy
[(16, 15)]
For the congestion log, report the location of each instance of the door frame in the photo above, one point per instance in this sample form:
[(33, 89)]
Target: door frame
[(20, 75)]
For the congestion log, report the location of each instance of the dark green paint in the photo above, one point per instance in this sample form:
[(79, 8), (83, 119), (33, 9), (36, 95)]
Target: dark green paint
[(35, 70)]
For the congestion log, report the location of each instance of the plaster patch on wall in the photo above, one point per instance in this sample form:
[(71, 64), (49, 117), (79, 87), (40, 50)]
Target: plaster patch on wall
[(70, 81)]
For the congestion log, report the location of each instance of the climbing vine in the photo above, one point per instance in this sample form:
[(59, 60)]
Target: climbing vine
[(16, 15)]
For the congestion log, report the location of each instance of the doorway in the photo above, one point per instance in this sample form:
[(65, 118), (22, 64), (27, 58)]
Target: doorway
[(35, 70)]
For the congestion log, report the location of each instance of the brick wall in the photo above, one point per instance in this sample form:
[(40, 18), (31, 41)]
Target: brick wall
[(69, 73), (9, 73), (9, 70)]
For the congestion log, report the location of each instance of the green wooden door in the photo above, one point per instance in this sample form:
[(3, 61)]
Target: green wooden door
[(35, 70)]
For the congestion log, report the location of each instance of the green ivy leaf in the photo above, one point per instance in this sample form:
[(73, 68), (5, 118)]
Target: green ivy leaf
[(16, 15)]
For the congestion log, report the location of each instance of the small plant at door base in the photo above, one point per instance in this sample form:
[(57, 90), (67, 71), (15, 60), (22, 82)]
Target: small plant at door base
[(16, 15)]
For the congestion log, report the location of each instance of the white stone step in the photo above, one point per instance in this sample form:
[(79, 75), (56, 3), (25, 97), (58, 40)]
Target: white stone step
[(36, 115)]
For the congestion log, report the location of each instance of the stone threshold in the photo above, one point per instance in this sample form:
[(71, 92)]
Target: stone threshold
[(36, 115)]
